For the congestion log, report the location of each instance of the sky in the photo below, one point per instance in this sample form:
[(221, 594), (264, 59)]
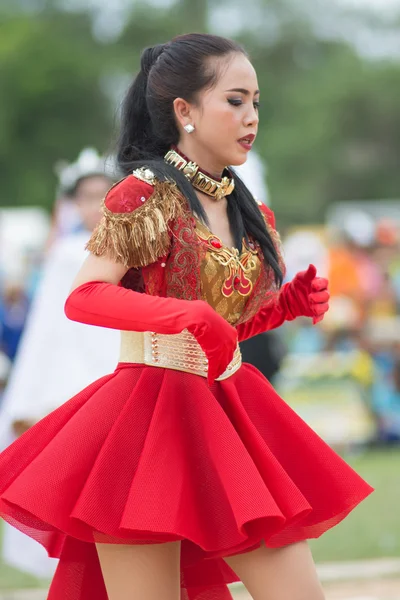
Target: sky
[(378, 5), (330, 21), (391, 5)]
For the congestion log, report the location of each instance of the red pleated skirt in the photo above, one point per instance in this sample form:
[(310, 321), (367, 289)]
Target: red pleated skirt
[(149, 455)]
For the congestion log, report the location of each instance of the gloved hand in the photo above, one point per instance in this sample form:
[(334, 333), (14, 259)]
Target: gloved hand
[(108, 305), (305, 296)]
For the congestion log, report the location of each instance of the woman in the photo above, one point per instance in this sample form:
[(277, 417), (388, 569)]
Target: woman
[(183, 470), (71, 355)]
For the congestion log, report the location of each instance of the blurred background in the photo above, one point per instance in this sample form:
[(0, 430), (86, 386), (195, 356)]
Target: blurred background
[(329, 148)]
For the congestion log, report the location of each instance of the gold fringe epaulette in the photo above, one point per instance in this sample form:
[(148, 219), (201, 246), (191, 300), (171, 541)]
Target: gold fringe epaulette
[(138, 238)]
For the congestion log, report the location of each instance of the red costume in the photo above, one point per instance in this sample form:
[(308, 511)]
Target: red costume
[(149, 454)]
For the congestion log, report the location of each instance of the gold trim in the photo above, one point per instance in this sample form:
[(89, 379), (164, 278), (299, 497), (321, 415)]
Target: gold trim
[(145, 174), (199, 180), (179, 352), (141, 236)]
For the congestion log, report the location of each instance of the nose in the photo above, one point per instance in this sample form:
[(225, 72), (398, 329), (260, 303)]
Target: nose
[(251, 119)]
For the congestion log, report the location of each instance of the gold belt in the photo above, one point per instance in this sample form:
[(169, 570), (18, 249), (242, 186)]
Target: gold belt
[(180, 352)]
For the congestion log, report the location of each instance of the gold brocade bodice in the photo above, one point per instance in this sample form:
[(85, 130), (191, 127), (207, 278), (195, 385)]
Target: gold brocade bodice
[(147, 226), (227, 275)]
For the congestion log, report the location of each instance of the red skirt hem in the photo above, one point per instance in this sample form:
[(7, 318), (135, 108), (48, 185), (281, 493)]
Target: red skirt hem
[(148, 455)]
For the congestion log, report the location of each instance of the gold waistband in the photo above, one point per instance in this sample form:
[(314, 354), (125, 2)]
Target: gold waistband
[(180, 352)]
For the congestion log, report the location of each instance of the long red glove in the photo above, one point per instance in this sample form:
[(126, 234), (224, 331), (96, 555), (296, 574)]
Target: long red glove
[(305, 296), (108, 305)]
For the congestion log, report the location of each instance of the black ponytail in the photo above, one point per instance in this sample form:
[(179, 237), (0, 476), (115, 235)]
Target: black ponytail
[(137, 138), (148, 127)]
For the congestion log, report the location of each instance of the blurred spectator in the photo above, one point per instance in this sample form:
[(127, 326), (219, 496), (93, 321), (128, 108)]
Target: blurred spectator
[(265, 352), (362, 262), (37, 382), (386, 403), (13, 311), (57, 357), (5, 366), (307, 339)]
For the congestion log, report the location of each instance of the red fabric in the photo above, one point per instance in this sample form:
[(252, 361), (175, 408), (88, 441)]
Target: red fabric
[(148, 455), (128, 194), (305, 296), (107, 305), (269, 214)]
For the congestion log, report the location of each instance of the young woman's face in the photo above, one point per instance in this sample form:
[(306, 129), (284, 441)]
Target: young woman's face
[(226, 117), (88, 196)]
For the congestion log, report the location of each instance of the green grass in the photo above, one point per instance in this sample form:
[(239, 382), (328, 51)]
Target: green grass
[(372, 530), (13, 579)]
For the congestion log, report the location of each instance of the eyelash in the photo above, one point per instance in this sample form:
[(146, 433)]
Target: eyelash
[(239, 103)]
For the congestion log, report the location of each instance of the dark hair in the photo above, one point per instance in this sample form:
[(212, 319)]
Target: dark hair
[(180, 68), (73, 190)]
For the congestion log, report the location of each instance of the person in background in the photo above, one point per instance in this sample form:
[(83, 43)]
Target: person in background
[(57, 357), (386, 403), (5, 367), (14, 306)]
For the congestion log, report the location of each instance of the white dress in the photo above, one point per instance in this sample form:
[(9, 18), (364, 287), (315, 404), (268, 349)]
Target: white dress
[(56, 359)]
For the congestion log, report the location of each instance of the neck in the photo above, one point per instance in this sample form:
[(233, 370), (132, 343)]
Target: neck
[(204, 160)]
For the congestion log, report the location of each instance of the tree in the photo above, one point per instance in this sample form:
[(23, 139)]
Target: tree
[(329, 117), (51, 103), (328, 121)]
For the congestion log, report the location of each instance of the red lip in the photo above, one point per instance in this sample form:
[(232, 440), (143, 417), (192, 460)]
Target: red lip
[(250, 137)]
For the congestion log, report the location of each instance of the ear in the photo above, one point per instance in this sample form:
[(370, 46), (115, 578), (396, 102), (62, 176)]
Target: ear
[(183, 112)]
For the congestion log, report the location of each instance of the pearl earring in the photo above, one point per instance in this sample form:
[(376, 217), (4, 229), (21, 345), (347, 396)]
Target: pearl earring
[(189, 128)]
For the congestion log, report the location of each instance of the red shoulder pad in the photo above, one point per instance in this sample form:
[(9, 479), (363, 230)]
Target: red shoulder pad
[(268, 214), (128, 194)]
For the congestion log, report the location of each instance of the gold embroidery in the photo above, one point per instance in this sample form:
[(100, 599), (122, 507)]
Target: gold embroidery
[(239, 265), (183, 265), (220, 266)]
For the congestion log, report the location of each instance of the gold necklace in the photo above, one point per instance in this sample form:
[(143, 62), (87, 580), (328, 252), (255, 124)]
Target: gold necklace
[(199, 179)]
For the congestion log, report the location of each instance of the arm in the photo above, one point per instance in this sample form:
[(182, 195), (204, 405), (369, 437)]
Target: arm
[(96, 298), (305, 296)]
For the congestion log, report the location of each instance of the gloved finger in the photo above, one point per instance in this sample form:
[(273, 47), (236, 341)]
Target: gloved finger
[(320, 309), (318, 319), (319, 283), (217, 366), (307, 276), (221, 357), (214, 371), (319, 297)]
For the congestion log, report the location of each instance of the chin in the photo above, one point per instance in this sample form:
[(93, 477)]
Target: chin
[(237, 159)]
